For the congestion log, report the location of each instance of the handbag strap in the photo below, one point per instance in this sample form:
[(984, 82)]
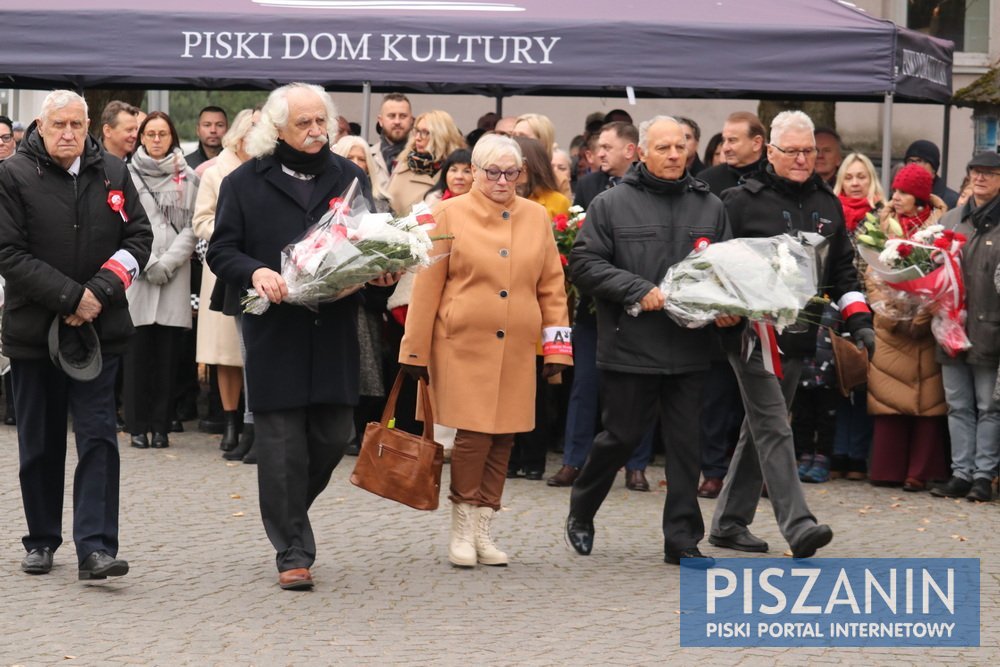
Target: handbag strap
[(390, 406)]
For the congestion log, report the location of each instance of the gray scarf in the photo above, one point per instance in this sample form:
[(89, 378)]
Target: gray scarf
[(171, 183)]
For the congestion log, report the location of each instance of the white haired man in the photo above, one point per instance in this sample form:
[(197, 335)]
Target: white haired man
[(649, 366), (787, 196), (302, 367), (73, 237)]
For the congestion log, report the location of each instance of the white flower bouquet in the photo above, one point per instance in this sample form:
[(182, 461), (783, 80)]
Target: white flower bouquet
[(762, 279), (348, 247)]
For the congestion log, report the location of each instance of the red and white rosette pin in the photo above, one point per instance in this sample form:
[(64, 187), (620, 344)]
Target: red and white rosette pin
[(116, 200), (701, 243)]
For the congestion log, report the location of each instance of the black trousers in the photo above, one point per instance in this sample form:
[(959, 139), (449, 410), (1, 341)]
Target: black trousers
[(150, 377), (721, 418), (297, 451), (630, 404), (42, 396)]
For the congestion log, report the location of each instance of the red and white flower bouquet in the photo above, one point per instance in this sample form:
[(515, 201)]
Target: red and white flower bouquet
[(922, 272)]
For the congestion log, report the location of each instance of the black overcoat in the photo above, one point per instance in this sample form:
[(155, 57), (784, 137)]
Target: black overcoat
[(295, 357)]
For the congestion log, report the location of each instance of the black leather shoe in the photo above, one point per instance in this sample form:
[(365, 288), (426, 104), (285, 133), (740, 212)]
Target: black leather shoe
[(38, 561), (534, 474), (812, 539), (741, 542), (513, 473), (956, 487), (140, 441), (251, 456), (691, 558), (982, 490), (160, 441), (9, 420), (580, 535), (176, 426), (100, 565), (120, 423), (245, 445), (214, 425), (635, 480)]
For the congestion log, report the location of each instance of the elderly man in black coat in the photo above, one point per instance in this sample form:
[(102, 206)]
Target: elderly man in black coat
[(73, 237), (302, 366)]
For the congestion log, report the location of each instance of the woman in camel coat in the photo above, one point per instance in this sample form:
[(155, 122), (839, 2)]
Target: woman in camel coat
[(474, 321), (905, 390)]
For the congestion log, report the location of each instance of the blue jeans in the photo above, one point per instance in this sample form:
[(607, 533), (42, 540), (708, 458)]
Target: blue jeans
[(853, 435), (581, 412), (973, 420)]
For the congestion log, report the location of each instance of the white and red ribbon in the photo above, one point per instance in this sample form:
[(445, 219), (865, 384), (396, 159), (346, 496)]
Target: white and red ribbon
[(557, 340), (769, 352), (123, 265)]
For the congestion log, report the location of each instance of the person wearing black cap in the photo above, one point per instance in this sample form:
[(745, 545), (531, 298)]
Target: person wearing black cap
[(73, 237), (969, 378), (927, 155)]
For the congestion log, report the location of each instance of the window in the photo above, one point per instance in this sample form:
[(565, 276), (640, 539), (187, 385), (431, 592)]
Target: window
[(965, 22)]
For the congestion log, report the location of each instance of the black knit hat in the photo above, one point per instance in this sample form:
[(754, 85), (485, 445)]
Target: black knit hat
[(926, 151)]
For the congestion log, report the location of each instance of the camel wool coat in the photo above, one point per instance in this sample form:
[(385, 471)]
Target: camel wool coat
[(477, 315), (903, 377)]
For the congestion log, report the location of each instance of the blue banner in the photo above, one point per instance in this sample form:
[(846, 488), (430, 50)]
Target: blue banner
[(831, 602)]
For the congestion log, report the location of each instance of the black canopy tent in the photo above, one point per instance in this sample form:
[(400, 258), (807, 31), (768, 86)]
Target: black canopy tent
[(788, 49)]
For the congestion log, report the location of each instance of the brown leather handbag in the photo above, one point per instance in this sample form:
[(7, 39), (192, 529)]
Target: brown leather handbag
[(849, 362), (398, 465)]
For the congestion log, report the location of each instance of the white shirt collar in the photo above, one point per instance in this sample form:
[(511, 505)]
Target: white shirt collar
[(295, 174), (75, 167)]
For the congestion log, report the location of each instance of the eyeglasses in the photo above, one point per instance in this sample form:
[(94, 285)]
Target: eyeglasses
[(153, 136), (795, 152), (983, 173), (6, 138), (494, 174), (423, 134)]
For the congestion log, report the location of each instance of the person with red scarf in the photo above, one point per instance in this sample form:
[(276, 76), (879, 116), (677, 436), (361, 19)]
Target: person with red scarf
[(860, 192), (912, 202), (858, 189)]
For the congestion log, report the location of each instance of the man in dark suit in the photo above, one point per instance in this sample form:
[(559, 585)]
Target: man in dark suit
[(302, 367)]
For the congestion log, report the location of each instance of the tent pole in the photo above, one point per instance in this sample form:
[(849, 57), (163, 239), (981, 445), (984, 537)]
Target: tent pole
[(887, 143), (366, 109), (500, 106), (945, 141)]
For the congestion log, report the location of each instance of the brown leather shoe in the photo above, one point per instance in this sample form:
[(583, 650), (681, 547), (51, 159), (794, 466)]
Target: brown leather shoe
[(710, 487), (635, 480), (298, 579), (565, 477)]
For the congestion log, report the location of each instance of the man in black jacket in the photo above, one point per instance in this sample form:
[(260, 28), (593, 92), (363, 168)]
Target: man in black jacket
[(743, 138), (73, 236), (648, 364), (786, 197), (302, 367)]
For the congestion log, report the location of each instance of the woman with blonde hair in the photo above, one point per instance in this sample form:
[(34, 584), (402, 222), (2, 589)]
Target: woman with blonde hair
[(538, 127), (434, 137), (858, 188), (471, 330), (218, 335)]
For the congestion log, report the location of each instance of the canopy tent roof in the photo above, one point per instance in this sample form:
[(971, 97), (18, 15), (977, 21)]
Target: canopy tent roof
[(810, 49)]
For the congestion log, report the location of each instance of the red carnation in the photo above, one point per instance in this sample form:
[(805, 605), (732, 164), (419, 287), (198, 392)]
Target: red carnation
[(425, 219), (564, 260), (904, 249), (942, 243), (579, 223), (560, 222)]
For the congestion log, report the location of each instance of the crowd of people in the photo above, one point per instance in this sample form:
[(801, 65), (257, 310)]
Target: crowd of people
[(126, 261)]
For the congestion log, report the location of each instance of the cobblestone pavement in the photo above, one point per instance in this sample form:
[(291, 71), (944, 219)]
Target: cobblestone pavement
[(202, 588)]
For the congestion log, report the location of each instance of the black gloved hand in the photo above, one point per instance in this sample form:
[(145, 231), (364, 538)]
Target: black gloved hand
[(549, 370), (416, 372), (865, 340)]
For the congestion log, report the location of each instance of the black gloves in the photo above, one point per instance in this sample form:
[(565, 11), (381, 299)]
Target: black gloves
[(416, 372)]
